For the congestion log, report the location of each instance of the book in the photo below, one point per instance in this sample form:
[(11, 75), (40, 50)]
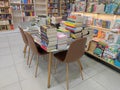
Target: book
[(116, 26)]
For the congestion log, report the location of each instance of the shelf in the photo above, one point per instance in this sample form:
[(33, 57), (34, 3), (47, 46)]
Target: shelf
[(40, 3), (5, 7), (15, 3), (4, 25), (100, 28), (101, 58), (53, 3), (5, 13), (27, 10), (27, 4)]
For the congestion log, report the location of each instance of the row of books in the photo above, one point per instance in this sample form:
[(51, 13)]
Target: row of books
[(16, 7), (108, 24), (28, 7), (110, 53), (28, 13), (27, 1), (96, 6), (108, 37), (4, 3), (5, 17), (5, 10)]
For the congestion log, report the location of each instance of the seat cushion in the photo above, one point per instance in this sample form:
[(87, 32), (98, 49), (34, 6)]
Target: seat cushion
[(61, 55)]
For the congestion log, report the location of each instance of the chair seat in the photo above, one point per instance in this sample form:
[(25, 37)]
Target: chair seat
[(61, 55)]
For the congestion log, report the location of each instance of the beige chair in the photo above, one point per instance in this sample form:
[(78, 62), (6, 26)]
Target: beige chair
[(74, 53), (26, 43), (35, 50)]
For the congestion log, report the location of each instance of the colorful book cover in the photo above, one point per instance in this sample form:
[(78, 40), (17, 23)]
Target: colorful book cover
[(116, 26), (98, 22)]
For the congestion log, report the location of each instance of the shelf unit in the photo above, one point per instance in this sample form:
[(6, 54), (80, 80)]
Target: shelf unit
[(40, 7), (5, 16), (104, 39), (16, 12), (64, 7), (53, 8), (22, 11)]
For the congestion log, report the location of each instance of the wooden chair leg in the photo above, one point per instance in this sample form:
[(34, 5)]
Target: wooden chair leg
[(31, 59), (24, 51), (28, 56), (80, 65), (80, 69), (67, 76), (55, 65), (37, 66)]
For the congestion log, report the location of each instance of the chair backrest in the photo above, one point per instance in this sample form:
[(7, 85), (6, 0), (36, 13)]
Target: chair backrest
[(23, 35), (76, 50), (31, 43)]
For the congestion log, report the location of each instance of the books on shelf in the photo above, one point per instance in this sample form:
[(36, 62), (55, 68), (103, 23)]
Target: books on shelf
[(26, 1), (116, 26)]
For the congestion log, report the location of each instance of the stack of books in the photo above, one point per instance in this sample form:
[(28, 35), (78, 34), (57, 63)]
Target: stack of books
[(61, 40), (48, 37), (74, 24)]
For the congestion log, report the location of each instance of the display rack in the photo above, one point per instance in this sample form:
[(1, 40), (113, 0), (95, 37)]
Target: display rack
[(5, 16), (103, 46)]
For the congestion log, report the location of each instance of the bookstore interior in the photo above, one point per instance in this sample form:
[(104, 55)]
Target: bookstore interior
[(56, 24)]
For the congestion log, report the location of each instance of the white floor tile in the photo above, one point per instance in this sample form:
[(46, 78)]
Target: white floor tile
[(4, 45), (89, 84), (8, 76), (3, 39), (5, 61), (14, 86), (24, 72), (109, 79), (18, 58), (5, 51), (33, 84)]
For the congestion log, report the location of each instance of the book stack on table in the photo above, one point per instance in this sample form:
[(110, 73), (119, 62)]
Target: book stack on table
[(61, 40), (48, 37)]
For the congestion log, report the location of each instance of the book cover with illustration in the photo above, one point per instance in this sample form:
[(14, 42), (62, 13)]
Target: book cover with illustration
[(98, 22), (116, 26)]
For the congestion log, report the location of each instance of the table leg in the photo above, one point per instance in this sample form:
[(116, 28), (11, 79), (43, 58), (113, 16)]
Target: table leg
[(49, 68)]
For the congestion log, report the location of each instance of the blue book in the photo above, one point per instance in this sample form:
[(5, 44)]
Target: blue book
[(25, 1)]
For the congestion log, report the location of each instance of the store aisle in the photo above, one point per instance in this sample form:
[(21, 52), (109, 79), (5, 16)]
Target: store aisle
[(16, 75)]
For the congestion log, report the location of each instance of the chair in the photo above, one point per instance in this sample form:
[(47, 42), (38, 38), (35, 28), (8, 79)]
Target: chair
[(74, 53), (35, 50), (26, 43)]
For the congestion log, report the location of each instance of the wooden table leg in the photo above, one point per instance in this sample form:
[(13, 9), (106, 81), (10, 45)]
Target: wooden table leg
[(49, 68)]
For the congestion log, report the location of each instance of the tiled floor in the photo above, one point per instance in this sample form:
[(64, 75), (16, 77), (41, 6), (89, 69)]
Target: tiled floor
[(16, 75)]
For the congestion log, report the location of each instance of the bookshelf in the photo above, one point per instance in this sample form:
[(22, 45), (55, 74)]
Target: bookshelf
[(105, 41), (5, 16), (16, 12), (27, 7), (22, 11), (53, 7), (64, 7), (40, 7)]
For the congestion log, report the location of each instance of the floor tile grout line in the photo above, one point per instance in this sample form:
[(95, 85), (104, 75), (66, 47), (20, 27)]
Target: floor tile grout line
[(15, 66), (100, 84), (8, 85)]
